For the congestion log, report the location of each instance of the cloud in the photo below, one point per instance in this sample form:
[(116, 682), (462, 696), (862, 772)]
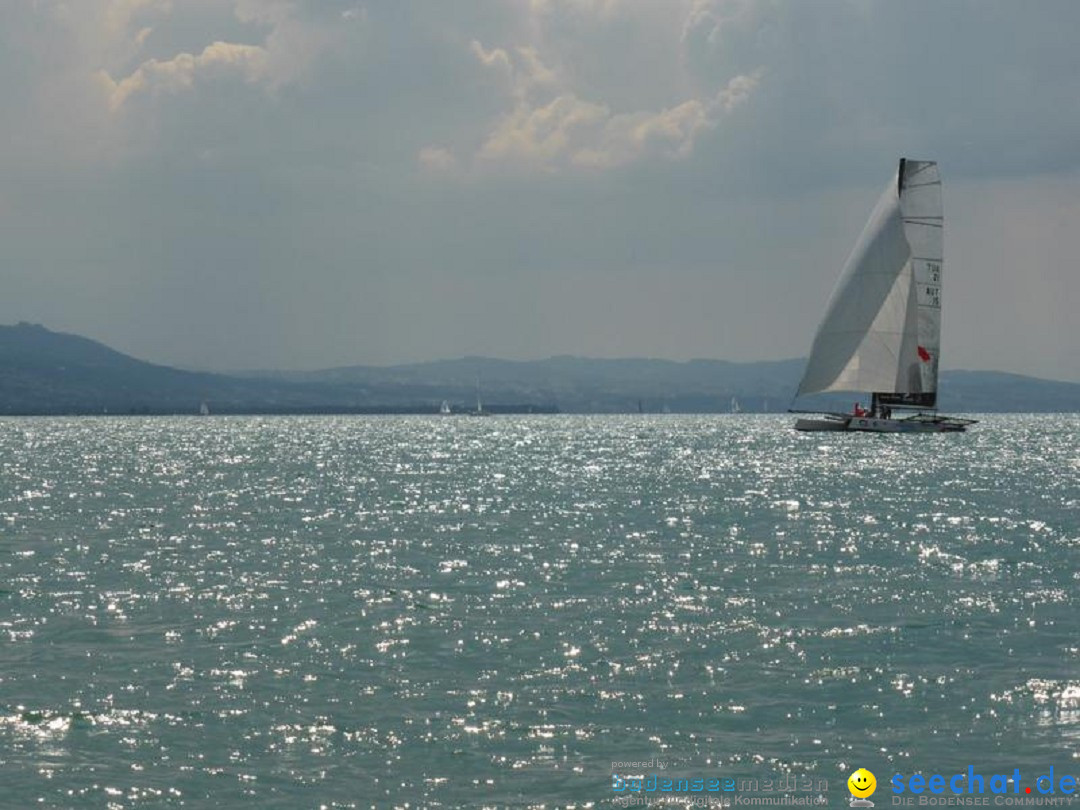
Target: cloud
[(669, 133), (337, 160), (521, 69), (97, 34), (545, 135), (180, 73), (713, 22), (496, 58), (297, 38), (293, 42), (120, 15), (570, 109), (570, 131), (437, 159)]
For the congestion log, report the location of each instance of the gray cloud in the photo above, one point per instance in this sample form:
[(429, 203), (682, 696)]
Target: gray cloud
[(234, 183)]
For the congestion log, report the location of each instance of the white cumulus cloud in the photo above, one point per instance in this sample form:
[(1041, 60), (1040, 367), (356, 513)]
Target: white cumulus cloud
[(567, 107), (570, 131), (181, 72)]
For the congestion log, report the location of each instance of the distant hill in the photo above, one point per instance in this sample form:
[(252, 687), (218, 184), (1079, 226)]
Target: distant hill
[(46, 372), (585, 385)]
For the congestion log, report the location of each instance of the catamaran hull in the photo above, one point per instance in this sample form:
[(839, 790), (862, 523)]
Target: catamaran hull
[(904, 426), (922, 423)]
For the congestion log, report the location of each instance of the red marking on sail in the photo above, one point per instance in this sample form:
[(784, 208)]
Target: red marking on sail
[(924, 355)]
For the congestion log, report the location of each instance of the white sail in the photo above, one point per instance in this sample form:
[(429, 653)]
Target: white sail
[(882, 328)]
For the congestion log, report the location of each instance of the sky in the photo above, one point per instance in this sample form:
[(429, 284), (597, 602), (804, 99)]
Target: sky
[(241, 184)]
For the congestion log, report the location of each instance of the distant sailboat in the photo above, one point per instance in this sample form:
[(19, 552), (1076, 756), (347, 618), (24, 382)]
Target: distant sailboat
[(444, 409), (479, 405), (882, 328), (204, 409), (735, 408)]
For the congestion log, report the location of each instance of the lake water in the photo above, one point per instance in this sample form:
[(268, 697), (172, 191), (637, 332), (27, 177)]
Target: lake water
[(453, 612)]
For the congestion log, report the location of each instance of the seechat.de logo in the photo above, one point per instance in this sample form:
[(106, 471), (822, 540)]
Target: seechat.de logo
[(1045, 784)]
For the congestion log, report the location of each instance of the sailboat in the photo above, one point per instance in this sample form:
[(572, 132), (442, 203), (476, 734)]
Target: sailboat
[(479, 406), (204, 409), (444, 409), (881, 333), (735, 408)]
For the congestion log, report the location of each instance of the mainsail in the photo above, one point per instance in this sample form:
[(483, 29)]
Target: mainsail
[(882, 329)]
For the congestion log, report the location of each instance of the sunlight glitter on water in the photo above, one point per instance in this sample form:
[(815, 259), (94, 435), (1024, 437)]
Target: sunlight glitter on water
[(455, 611)]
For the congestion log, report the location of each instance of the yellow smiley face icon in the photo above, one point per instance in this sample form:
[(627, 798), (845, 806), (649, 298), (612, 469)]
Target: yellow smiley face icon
[(861, 783)]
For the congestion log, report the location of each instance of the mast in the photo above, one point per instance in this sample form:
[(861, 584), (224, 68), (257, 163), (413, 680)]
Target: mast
[(919, 189)]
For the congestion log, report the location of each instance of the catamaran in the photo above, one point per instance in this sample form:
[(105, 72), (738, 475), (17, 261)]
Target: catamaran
[(881, 333)]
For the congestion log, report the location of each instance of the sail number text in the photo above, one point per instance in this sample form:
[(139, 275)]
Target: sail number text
[(932, 288)]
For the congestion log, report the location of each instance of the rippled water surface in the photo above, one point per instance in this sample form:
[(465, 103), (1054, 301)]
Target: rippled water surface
[(450, 612)]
